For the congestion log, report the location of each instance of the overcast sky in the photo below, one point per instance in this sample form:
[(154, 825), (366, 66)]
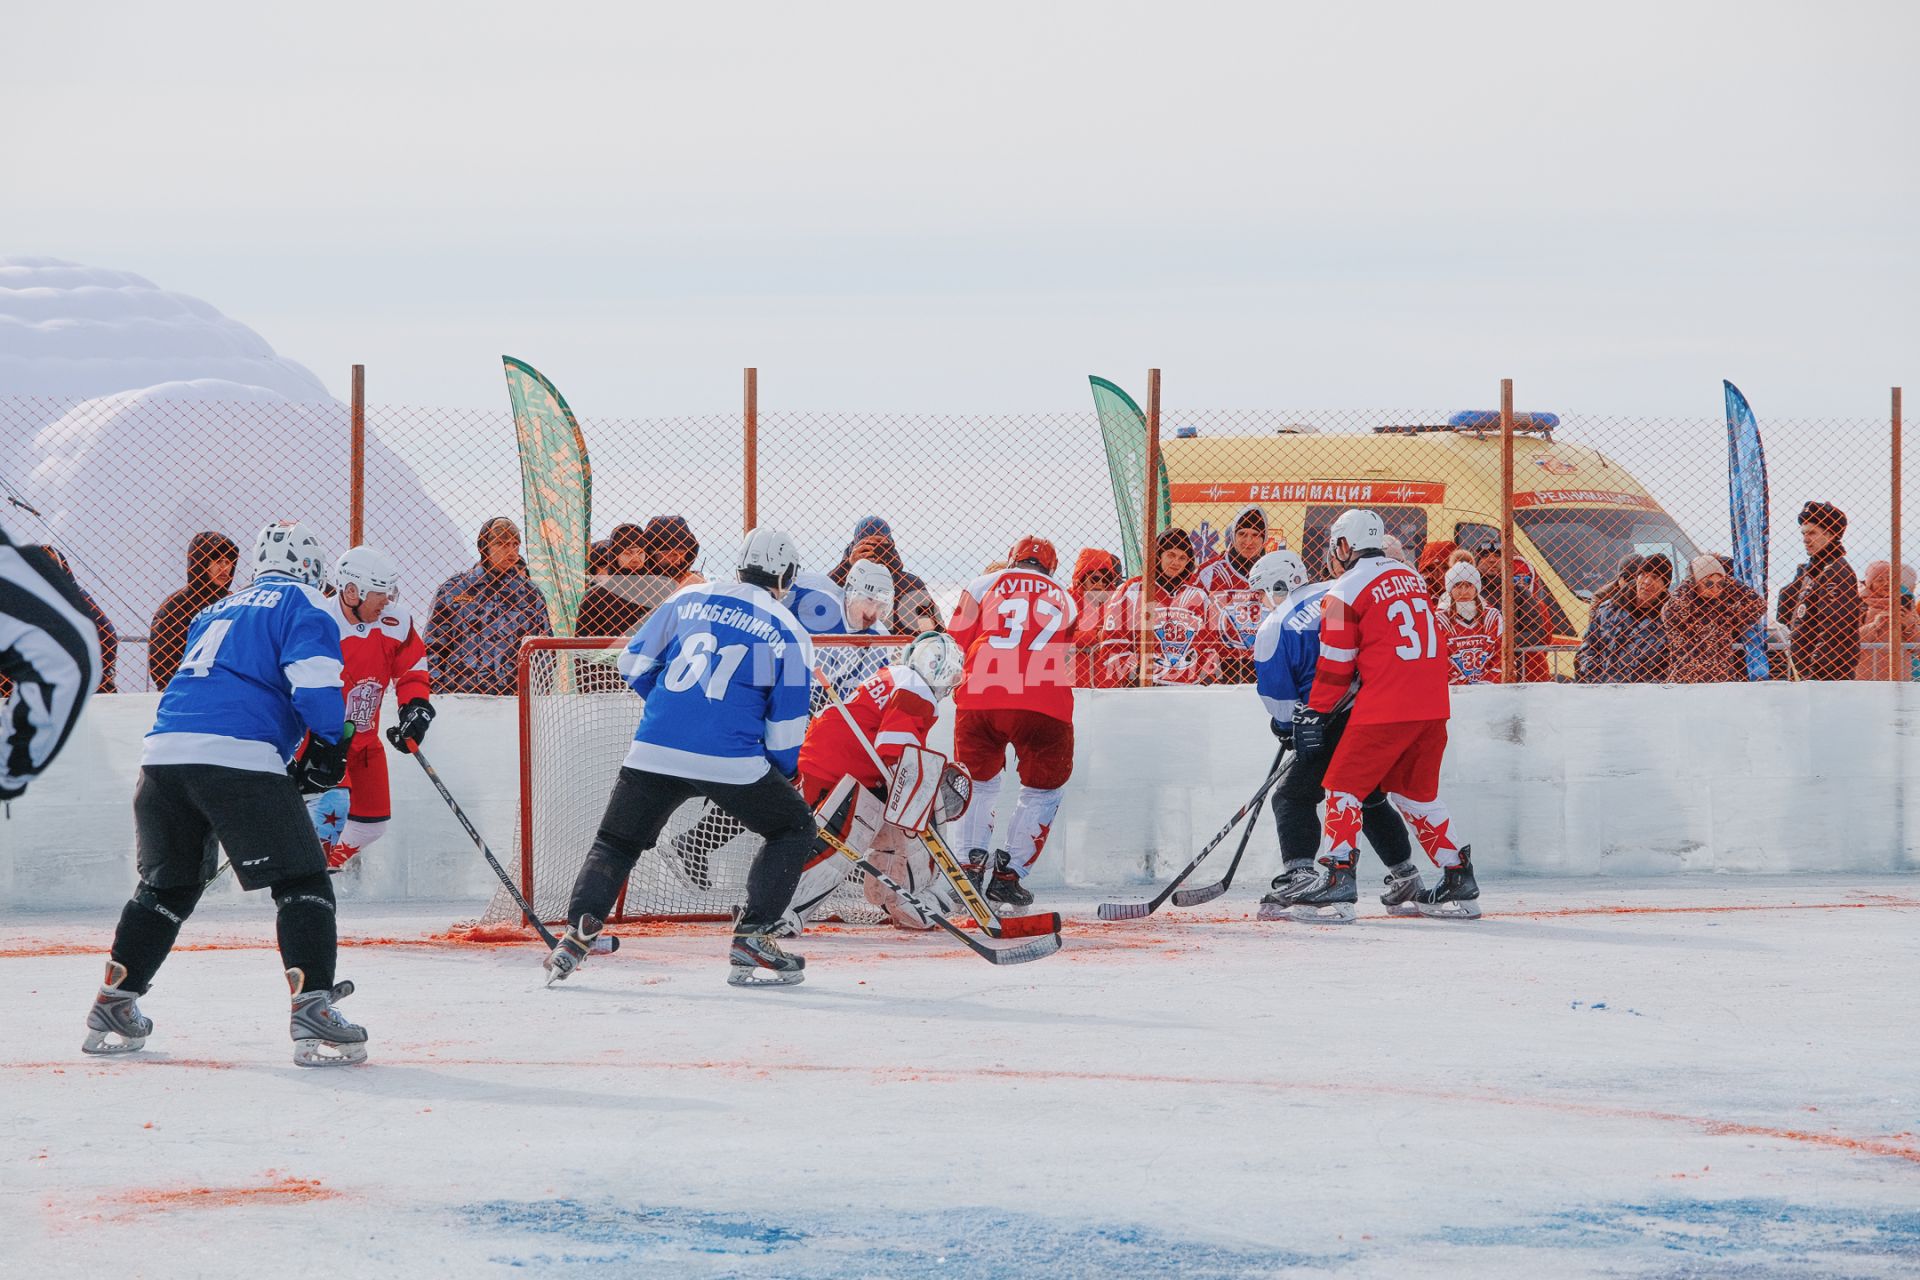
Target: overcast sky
[(965, 208)]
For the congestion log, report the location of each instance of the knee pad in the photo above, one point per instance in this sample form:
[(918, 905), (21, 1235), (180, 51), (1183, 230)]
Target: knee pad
[(316, 889), (176, 903)]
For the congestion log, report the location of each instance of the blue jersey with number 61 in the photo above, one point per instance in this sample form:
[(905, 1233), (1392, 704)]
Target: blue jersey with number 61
[(262, 667), (725, 671)]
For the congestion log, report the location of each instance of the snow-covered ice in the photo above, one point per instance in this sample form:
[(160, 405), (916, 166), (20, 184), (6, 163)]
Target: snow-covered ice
[(1674, 1076)]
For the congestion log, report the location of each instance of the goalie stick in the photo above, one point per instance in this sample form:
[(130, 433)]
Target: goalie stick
[(603, 943), (1208, 892), (1138, 910), (1035, 948), (990, 924)]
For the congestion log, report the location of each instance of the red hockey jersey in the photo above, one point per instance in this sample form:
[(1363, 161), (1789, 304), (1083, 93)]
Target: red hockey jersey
[(1473, 648), (1378, 623), (1016, 628), (1238, 608), (1186, 633), (894, 709), (374, 655)]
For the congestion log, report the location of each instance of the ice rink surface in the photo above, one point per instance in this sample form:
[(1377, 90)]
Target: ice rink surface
[(1689, 1076)]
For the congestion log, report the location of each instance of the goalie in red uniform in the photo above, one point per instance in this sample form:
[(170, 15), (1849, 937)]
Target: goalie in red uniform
[(892, 712), (1378, 624), (1016, 627), (379, 646)]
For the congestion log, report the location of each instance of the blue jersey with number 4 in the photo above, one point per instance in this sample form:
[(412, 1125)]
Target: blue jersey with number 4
[(262, 667), (725, 671)]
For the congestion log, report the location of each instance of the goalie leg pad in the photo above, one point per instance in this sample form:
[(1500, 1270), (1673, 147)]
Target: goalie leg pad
[(907, 863)]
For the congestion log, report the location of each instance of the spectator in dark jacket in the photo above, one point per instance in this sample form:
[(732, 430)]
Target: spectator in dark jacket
[(1707, 621), (109, 638), (613, 605), (1626, 641), (671, 552), (913, 608), (211, 558), (1821, 607), (480, 617)]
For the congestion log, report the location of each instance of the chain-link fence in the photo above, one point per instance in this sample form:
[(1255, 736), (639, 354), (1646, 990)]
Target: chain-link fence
[(1611, 557)]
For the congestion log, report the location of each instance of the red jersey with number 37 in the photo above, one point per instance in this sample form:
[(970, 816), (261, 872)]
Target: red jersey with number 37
[(1378, 624), (1016, 628)]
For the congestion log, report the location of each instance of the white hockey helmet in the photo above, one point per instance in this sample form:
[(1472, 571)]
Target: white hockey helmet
[(769, 559), (1277, 573), (1361, 530), (289, 547), (935, 658), (369, 569), (869, 580)]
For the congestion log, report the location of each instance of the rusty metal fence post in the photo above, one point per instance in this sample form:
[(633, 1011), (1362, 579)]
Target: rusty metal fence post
[(1897, 660), (1510, 664), (357, 489), (750, 448)]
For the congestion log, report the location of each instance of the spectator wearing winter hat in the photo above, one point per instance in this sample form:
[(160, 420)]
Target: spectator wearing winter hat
[(1821, 607), (1184, 622), (613, 605), (913, 608), (1878, 624), (1096, 576), (671, 552), (1626, 641), (479, 617), (1707, 620), (1529, 614), (1622, 584), (1471, 627), (1435, 559), (211, 558)]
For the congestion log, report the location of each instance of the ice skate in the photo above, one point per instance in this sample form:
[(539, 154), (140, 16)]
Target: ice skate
[(321, 1037), (115, 1013), (1295, 879), (978, 867), (789, 925), (756, 960), (1005, 887), (574, 946), (1456, 897), (1403, 885), (1331, 899)]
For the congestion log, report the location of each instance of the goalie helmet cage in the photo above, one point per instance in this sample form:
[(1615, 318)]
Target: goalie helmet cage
[(576, 721)]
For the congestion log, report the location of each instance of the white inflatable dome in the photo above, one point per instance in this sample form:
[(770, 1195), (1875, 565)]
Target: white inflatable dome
[(74, 332)]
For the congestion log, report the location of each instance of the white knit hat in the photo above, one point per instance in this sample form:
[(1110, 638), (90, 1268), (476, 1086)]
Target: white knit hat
[(1706, 565), (1463, 572)]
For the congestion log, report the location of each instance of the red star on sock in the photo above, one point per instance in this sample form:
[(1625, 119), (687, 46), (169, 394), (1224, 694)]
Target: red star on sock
[(1040, 838), (1433, 836), (1343, 826)]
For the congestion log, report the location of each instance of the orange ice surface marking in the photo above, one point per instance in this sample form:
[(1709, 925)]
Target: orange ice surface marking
[(277, 1189)]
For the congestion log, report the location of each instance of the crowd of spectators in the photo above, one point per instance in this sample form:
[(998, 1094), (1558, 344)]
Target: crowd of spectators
[(1642, 627)]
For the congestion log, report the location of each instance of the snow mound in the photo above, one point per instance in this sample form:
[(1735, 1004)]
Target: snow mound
[(69, 331), (123, 481)]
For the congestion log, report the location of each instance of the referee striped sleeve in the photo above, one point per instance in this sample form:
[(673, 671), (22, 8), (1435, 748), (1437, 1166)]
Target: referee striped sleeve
[(50, 649)]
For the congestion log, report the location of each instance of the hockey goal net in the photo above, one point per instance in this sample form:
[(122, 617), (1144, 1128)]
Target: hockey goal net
[(577, 718)]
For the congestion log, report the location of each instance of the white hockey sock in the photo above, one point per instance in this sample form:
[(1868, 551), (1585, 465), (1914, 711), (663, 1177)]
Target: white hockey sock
[(1032, 819), (357, 836), (976, 824), (1343, 825), (1432, 827)]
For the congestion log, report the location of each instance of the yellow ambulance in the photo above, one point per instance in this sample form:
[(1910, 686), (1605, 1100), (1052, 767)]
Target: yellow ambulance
[(1577, 513)]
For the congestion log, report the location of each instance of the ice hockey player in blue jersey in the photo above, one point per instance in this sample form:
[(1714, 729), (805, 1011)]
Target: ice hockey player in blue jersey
[(1286, 651), (261, 670), (725, 672)]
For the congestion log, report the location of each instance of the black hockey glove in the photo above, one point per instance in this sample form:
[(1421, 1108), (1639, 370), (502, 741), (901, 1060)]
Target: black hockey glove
[(415, 716), (1309, 729), (323, 766), (1282, 731)]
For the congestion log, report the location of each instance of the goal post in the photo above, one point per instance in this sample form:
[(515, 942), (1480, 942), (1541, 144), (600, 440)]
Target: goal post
[(576, 721)]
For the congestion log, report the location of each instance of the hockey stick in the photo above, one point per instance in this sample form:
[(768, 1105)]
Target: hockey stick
[(606, 942), (1207, 893), (983, 915), (1137, 910), (1032, 949)]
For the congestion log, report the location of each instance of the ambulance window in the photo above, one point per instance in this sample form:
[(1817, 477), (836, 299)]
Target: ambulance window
[(1475, 537), (1584, 546), (1409, 524)]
